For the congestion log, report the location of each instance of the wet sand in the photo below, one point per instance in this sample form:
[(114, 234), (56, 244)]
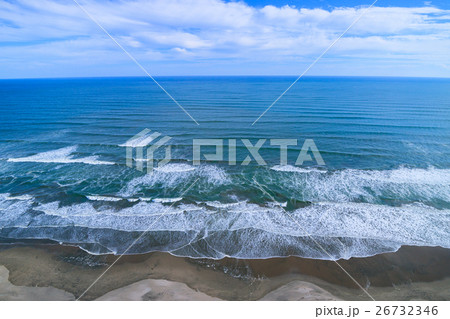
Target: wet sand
[(412, 273)]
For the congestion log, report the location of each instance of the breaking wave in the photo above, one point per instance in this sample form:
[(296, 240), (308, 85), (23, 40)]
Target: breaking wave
[(176, 175), (373, 186), (350, 213), (240, 229), (61, 156), (296, 169), (175, 168)]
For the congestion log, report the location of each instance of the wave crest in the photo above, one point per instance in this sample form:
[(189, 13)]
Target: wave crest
[(60, 156)]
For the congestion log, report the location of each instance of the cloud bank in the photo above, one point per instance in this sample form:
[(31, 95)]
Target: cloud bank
[(200, 37)]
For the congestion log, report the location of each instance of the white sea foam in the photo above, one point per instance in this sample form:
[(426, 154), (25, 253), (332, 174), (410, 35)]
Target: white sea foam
[(296, 169), (167, 200), (20, 197), (4, 195), (130, 199), (429, 176), (276, 204), (7, 196), (14, 210), (104, 198), (410, 184), (209, 175), (218, 204), (62, 155), (245, 230), (175, 168)]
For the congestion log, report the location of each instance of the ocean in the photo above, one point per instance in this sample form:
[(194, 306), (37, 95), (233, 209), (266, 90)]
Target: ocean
[(384, 183)]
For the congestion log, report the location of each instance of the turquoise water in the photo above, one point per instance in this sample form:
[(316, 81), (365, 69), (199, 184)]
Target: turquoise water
[(385, 182)]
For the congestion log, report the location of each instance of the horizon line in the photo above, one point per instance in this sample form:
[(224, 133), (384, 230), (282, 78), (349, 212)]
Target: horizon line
[(224, 76)]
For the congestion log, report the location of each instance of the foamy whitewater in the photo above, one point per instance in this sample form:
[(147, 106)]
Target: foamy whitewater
[(64, 175), (63, 156), (327, 216)]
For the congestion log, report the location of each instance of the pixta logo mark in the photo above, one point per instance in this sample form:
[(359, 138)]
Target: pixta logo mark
[(141, 148)]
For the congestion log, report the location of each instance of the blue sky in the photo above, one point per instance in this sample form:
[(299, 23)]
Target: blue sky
[(54, 38)]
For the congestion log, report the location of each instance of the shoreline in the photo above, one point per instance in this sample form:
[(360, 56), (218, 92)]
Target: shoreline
[(411, 273)]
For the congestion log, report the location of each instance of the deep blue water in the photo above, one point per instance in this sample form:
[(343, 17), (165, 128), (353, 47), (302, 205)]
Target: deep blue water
[(385, 183)]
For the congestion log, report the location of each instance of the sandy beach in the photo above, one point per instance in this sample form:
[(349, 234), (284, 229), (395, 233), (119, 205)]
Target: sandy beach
[(55, 272)]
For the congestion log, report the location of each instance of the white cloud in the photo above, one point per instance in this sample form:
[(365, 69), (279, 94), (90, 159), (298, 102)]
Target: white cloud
[(157, 31)]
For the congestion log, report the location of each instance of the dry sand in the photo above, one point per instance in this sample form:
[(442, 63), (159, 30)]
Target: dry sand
[(299, 290), (11, 293), (156, 289)]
